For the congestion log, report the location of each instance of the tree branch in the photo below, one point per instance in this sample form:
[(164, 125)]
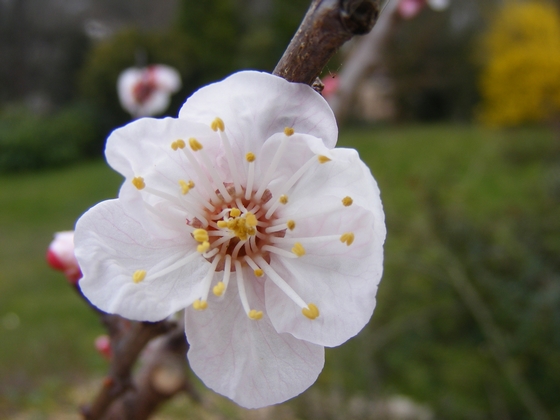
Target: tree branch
[(327, 25)]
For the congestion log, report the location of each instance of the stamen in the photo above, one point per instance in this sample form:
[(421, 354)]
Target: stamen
[(256, 269), (217, 124), (283, 199), (205, 182), (280, 282), (234, 212), (138, 276), (311, 311), (323, 159), (166, 269), (186, 186), (210, 168), (227, 271), (250, 157), (222, 224), (203, 247), (200, 305), (138, 182), (200, 235), (251, 220), (195, 144), (288, 131), (347, 237), (250, 179), (219, 289), (254, 314), (229, 155), (207, 281), (272, 167), (298, 249), (243, 293), (240, 205), (347, 201), (178, 144), (290, 183), (279, 251), (290, 224)]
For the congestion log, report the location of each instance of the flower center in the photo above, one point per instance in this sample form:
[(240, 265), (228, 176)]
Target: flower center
[(235, 221)]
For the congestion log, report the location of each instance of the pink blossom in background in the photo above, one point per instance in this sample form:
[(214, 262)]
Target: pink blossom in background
[(144, 92), (410, 8), (330, 83), (60, 256)]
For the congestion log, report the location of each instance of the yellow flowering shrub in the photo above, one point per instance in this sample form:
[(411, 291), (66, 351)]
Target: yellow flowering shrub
[(521, 79)]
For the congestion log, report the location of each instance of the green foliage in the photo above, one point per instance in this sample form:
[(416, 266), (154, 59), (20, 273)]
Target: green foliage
[(229, 35), (468, 211), (519, 83), (28, 141), (104, 63)]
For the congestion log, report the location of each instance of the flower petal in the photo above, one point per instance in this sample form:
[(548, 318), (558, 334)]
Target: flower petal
[(247, 360), (340, 279), (259, 105), (111, 247)]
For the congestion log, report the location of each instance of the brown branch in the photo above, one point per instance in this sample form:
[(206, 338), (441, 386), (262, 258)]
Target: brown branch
[(327, 25), (162, 376), (128, 338)]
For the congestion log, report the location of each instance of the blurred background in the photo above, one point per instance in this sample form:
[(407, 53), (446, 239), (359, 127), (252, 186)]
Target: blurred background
[(455, 109)]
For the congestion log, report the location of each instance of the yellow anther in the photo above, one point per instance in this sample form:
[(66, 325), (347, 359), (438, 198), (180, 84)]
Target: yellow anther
[(288, 131), (200, 235), (203, 247), (178, 144), (217, 124), (283, 199), (222, 224), (323, 159), (138, 276), (219, 289), (298, 249), (200, 305), (311, 311), (254, 314), (185, 186), (195, 144), (347, 238), (291, 224), (250, 157), (251, 220), (138, 182), (234, 212), (258, 272), (347, 201)]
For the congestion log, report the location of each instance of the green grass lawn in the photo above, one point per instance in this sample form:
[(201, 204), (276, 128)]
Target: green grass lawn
[(468, 210)]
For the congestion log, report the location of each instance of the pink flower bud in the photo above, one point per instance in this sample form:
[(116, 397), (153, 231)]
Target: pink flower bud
[(103, 346), (60, 256), (330, 83)]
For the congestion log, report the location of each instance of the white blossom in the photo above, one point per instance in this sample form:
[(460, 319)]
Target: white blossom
[(147, 91), (242, 211)]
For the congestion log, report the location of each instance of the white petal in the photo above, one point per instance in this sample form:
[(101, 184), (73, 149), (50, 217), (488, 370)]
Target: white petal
[(247, 360), (143, 149), (110, 246), (259, 105), (340, 280)]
